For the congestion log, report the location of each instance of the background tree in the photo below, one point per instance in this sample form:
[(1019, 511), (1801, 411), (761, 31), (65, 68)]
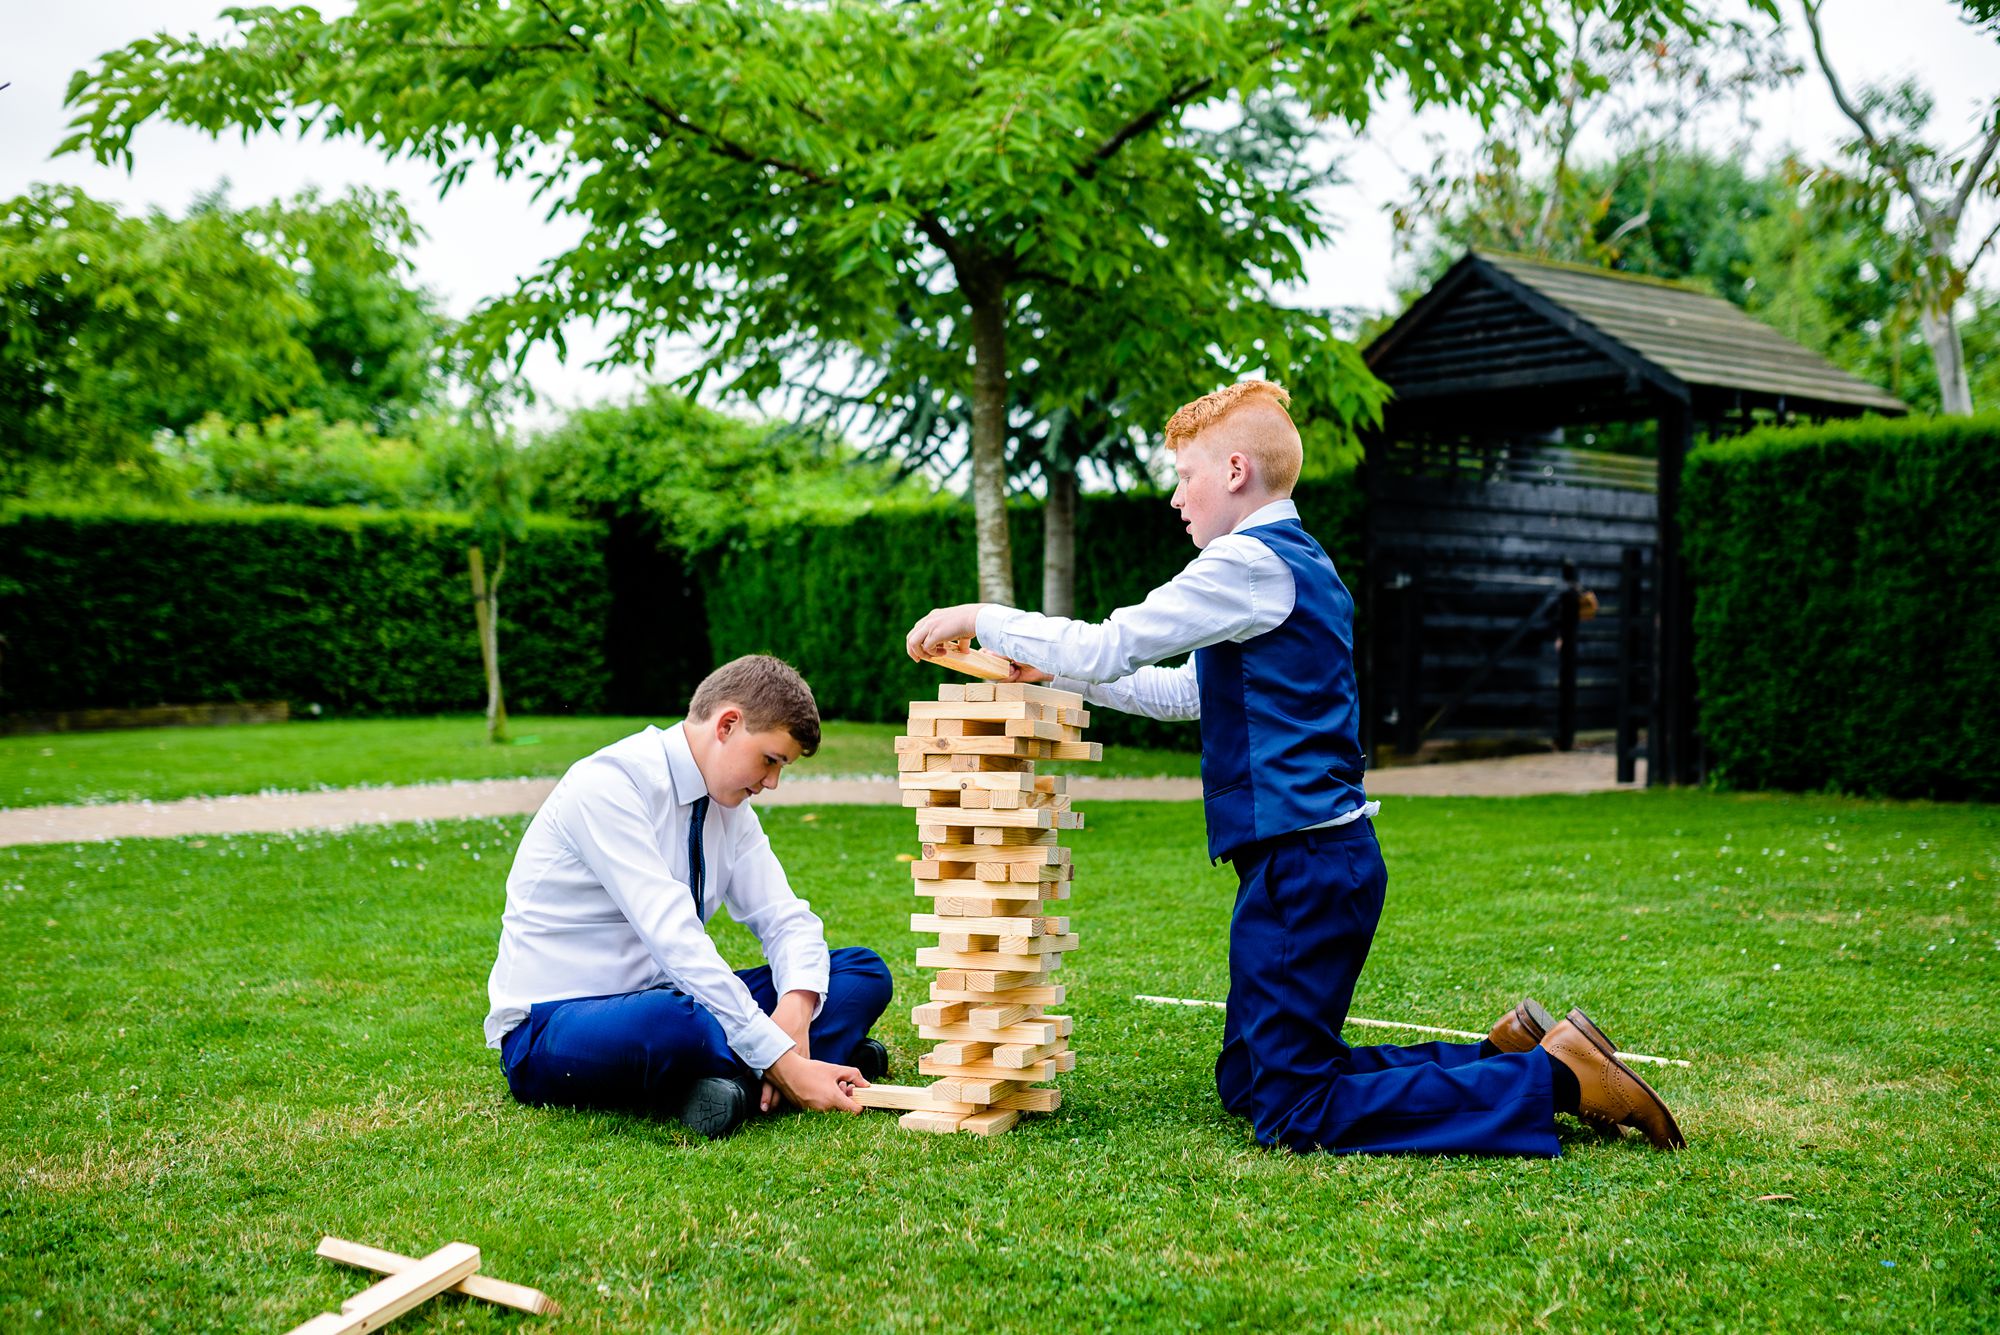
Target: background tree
[(1891, 160), (499, 485), (797, 184)]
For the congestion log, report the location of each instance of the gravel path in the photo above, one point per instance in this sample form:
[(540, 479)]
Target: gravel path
[(1514, 776)]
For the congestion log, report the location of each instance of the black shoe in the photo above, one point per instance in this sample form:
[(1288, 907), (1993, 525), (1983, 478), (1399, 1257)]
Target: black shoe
[(870, 1058), (715, 1106)]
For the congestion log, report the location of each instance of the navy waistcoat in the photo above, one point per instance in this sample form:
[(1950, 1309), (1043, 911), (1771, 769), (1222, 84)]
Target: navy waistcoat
[(1280, 720)]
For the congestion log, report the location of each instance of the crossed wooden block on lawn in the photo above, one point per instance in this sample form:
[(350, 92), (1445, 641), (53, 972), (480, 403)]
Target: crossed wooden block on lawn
[(992, 862)]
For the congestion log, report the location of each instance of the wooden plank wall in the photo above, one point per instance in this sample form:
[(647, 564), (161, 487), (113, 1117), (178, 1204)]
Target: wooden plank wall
[(1485, 526)]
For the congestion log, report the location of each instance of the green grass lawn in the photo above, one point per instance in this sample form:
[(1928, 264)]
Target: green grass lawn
[(164, 763), (216, 1050)]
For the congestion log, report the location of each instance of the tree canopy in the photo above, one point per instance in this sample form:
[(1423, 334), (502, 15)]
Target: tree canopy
[(947, 192)]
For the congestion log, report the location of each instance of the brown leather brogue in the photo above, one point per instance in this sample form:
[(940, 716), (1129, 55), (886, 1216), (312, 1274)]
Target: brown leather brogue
[(1521, 1029), (1610, 1093)]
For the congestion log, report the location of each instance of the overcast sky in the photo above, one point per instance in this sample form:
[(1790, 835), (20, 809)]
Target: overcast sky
[(486, 234)]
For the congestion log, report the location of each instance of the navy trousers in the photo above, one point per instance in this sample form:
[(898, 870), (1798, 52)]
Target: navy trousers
[(1306, 909), (639, 1051)]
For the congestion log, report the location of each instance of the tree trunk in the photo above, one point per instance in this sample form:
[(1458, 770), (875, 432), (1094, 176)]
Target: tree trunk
[(989, 445), (486, 612), (1948, 355), (1059, 541)]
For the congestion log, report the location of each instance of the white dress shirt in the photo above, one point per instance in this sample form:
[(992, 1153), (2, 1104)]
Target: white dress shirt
[(598, 901), (1234, 590)]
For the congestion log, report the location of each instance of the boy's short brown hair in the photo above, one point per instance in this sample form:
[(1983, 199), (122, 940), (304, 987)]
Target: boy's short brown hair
[(770, 693), (1269, 436)]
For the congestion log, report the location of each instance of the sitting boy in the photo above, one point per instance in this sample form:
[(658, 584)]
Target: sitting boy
[(1272, 681), (608, 991)]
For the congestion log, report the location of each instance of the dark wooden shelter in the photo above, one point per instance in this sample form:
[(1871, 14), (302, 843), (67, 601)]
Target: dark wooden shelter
[(1506, 494)]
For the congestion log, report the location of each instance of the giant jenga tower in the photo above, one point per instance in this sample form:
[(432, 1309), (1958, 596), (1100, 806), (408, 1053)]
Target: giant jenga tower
[(992, 867)]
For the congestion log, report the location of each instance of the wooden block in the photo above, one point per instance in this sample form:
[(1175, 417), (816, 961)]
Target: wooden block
[(1021, 781), (969, 906), (940, 1013), (920, 727), (1010, 981), (952, 690), (1073, 718), (1025, 926), (937, 957), (1012, 748), (1075, 750), (1051, 855), (1027, 1031), (387, 1299), (976, 692), (1000, 799), (965, 1052), (1041, 1099), (977, 1089), (1025, 872), (949, 825), (1066, 1060), (498, 1291), (1045, 1070), (997, 1017), (1041, 730), (987, 836), (1022, 1055), (978, 799), (909, 1098), (948, 727), (1032, 820), (953, 986), (981, 663), (985, 892), (929, 1121), (999, 711), (1039, 694), (990, 1123)]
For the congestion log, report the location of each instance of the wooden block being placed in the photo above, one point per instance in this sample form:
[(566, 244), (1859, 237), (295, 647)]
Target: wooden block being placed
[(909, 1098), (990, 1123), (981, 663), (484, 1287), (929, 1121), (387, 1299)]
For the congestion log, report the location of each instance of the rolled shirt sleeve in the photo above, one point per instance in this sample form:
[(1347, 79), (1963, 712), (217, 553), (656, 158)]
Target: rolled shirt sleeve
[(612, 833)]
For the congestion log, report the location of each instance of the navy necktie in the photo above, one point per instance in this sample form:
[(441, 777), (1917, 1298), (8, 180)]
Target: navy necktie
[(696, 870)]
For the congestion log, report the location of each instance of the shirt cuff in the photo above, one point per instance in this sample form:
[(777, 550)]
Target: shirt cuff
[(991, 625), (808, 977), (761, 1043)]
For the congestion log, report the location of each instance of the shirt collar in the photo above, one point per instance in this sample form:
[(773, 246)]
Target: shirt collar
[(1269, 514), (681, 769)]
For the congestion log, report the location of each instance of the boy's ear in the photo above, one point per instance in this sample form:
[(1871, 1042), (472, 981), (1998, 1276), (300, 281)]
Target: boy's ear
[(726, 721), (1239, 470)]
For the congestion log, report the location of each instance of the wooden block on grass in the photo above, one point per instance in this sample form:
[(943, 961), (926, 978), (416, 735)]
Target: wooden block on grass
[(990, 1123), (929, 1121), (387, 1299), (973, 1089), (1042, 1099), (484, 1287)]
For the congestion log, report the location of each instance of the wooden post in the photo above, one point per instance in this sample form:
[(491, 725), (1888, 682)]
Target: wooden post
[(1670, 749), (1568, 620), (1409, 702), (484, 596), (1631, 610)]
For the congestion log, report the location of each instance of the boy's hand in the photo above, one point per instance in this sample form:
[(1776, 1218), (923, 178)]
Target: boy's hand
[(793, 1015), (1022, 672), (816, 1086), (941, 625)]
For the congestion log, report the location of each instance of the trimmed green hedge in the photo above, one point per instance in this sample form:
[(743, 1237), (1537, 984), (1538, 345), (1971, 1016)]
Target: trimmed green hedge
[(1847, 607), (836, 599), (359, 612)]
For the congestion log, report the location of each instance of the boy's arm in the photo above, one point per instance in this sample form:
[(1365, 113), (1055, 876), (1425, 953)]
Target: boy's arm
[(762, 899), (1156, 692), (1236, 589)]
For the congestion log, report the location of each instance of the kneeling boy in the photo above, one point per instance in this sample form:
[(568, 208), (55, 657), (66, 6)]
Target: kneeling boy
[(608, 991), (1272, 681)]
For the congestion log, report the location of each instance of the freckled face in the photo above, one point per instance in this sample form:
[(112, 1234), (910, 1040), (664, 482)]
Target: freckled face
[(1202, 493)]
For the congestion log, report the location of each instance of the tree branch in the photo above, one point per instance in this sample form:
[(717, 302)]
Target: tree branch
[(1979, 252), (1972, 175), (1876, 148)]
